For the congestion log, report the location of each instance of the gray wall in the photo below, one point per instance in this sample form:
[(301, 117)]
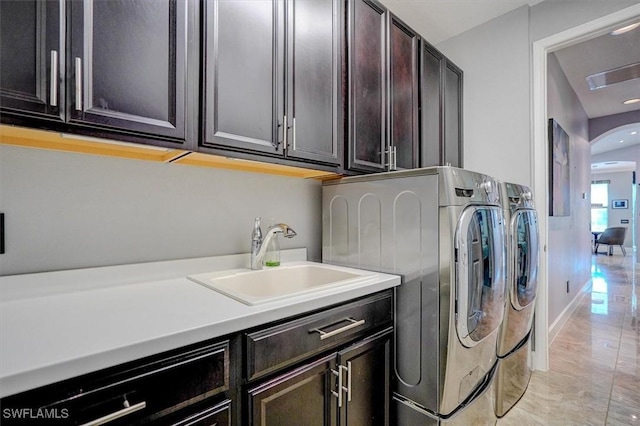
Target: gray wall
[(626, 154), (569, 249), (496, 59), (496, 65), (620, 188), (601, 125), (66, 210)]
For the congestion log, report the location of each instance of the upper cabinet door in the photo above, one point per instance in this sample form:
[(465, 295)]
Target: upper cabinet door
[(403, 95), (431, 62), (31, 57), (314, 79), (440, 109), (452, 115), (127, 65), (367, 86), (244, 75)]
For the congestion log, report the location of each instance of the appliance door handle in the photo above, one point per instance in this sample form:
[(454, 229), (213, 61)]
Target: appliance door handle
[(78, 84), (118, 414), (53, 84), (325, 335)]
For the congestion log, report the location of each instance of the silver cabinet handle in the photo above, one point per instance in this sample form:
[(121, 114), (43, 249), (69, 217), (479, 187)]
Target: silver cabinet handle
[(341, 387), (294, 133), (338, 394), (348, 381), (118, 414), (393, 165), (53, 88), (78, 84), (285, 131), (395, 158), (326, 335), (389, 162)]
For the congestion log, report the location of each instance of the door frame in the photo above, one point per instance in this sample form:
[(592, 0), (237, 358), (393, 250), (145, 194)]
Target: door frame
[(539, 154)]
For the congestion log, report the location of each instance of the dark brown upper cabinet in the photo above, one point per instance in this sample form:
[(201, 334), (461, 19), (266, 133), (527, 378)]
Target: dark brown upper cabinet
[(105, 67), (440, 109), (383, 90), (127, 65), (272, 78), (32, 58), (452, 115), (403, 95), (367, 86)]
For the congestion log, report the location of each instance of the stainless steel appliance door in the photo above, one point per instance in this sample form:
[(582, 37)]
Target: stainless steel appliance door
[(525, 249), (480, 273)]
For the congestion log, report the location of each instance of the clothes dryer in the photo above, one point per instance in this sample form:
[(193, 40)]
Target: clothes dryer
[(442, 230), (513, 373)]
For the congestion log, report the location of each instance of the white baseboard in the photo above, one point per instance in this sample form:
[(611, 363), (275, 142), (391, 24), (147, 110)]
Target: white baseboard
[(559, 322)]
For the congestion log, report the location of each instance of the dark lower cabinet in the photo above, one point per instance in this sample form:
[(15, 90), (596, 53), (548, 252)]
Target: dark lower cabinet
[(327, 367), (332, 367), (368, 369), (189, 386), (301, 397), (218, 415), (350, 387)]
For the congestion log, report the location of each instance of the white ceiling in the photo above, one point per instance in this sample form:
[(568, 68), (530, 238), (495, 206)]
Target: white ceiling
[(438, 20), (594, 56)]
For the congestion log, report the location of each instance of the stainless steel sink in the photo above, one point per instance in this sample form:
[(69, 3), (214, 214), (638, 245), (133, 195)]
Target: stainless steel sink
[(266, 285)]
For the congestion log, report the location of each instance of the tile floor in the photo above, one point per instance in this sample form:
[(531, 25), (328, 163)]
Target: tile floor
[(594, 372)]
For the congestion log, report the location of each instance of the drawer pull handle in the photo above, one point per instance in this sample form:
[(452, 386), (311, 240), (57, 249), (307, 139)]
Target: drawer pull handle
[(121, 413), (326, 335)]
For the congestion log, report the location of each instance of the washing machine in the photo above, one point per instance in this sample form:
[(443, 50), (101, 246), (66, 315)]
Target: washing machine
[(442, 230), (513, 373)]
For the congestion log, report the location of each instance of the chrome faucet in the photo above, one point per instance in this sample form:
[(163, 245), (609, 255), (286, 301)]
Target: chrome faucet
[(258, 250)]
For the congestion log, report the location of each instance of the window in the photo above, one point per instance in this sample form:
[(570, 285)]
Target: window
[(599, 204)]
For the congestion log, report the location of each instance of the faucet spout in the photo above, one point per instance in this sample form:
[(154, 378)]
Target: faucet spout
[(257, 256)]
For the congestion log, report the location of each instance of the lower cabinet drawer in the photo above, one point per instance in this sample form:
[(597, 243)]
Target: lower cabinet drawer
[(132, 393), (276, 347), (218, 415)]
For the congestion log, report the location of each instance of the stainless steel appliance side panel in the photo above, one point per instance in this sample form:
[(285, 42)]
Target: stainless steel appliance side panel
[(392, 226), (451, 178), (370, 222), (512, 380)]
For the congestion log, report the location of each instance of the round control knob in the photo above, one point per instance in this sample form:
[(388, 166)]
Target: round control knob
[(527, 196), (487, 186)]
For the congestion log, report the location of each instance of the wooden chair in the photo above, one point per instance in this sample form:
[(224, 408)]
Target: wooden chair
[(612, 237)]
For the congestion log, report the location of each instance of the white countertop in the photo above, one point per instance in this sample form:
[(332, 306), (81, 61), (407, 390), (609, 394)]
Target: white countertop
[(58, 325)]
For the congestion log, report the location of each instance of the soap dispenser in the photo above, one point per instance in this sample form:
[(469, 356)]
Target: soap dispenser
[(272, 256)]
